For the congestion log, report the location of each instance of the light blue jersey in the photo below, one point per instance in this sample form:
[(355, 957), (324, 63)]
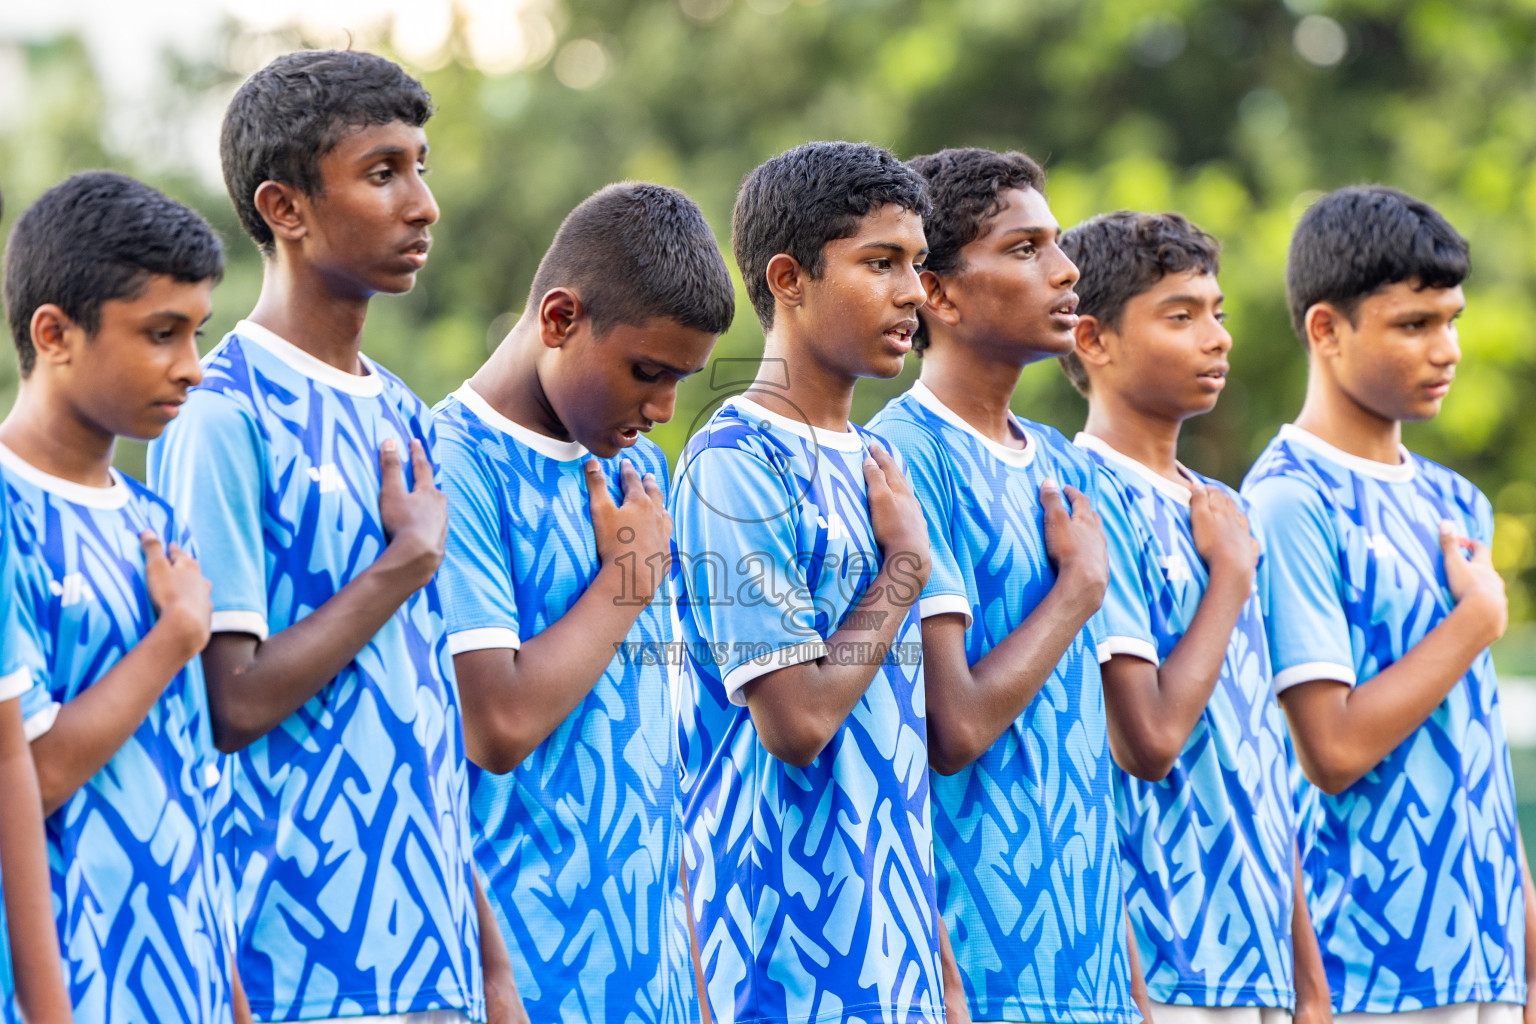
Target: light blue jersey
[(579, 843), (130, 853), (1208, 853), (17, 648), (1028, 854), (348, 824), (812, 887), (1414, 876)]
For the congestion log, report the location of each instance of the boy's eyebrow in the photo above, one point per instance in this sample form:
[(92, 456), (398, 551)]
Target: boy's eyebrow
[(390, 149), (681, 371), (1190, 300), (895, 247), (1032, 229)]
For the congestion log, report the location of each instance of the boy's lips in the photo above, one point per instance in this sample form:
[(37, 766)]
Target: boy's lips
[(1214, 378), (900, 335), (1064, 313), (1439, 388), (416, 252)]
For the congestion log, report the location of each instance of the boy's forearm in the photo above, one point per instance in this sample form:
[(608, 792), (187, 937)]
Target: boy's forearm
[(253, 686), (503, 1004), (514, 700), (1313, 999), (1153, 709), (1530, 933), (1342, 732), (970, 706), (94, 725), (34, 942), (798, 709)]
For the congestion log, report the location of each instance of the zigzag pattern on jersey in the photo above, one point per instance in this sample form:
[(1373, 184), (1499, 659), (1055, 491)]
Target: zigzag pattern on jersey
[(1208, 851), (812, 888), (128, 854), (1025, 836), (348, 825), (1416, 890), (579, 844)]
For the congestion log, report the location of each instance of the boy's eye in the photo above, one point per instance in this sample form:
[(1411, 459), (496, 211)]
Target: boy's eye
[(649, 378), (1027, 249), (881, 264), (1221, 316)]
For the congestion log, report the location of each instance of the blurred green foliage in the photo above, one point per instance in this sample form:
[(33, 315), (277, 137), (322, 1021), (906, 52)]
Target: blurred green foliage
[(1236, 112)]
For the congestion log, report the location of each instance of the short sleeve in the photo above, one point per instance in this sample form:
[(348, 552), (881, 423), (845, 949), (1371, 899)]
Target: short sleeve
[(927, 469), (210, 465), (15, 645), (741, 577), (1125, 620), (1302, 587), (476, 577)]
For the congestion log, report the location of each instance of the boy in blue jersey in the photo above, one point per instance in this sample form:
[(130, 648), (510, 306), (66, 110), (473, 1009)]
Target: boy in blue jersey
[(1382, 601), (1204, 797), (106, 284), (800, 554), (556, 544), (328, 672), (1024, 833), (31, 978)]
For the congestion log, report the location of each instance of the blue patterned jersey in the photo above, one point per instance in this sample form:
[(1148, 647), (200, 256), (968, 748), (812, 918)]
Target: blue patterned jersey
[(1025, 839), (348, 824), (579, 843), (1413, 871), (130, 852), (15, 679), (812, 887), (1208, 853)]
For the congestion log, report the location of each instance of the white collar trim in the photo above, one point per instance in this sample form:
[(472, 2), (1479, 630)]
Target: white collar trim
[(1176, 491), (924, 396), (838, 440), (112, 497), (560, 451), (1400, 473), (368, 385)]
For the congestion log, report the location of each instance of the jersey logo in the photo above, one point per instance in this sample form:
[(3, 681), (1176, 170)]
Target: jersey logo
[(835, 528), (1379, 546), (327, 476), (1175, 568), (73, 590)]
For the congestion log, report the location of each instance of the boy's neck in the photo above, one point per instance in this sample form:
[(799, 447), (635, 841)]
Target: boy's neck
[(509, 382), (976, 387), (1332, 415), (304, 310), (45, 431), (1150, 440), (793, 382)]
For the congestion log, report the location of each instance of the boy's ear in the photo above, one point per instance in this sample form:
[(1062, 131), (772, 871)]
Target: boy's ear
[(282, 207), (939, 305), (1090, 341), (560, 311), (54, 335), (1322, 323), (786, 279)]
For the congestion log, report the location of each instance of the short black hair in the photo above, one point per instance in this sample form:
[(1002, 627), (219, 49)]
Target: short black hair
[(637, 252), (808, 196), (1120, 255), (95, 238), (1354, 241), (294, 111), (966, 186)]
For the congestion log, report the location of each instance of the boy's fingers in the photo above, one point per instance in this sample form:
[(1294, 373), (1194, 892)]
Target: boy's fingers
[(597, 487), (174, 553), (153, 549), (1482, 554), (389, 465), (653, 488), (629, 480), (1079, 500), (1449, 544), (1050, 498), (421, 466)]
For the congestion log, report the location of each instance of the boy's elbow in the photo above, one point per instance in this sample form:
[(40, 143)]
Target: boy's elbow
[(1149, 755), (797, 751), (496, 744), (953, 746), (1330, 770)]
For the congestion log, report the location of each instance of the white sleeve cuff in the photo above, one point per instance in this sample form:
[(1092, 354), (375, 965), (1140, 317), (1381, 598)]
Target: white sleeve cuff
[(1132, 645), (945, 604), (783, 657), (41, 722), (15, 684), (484, 639), (254, 623), (1314, 670)]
